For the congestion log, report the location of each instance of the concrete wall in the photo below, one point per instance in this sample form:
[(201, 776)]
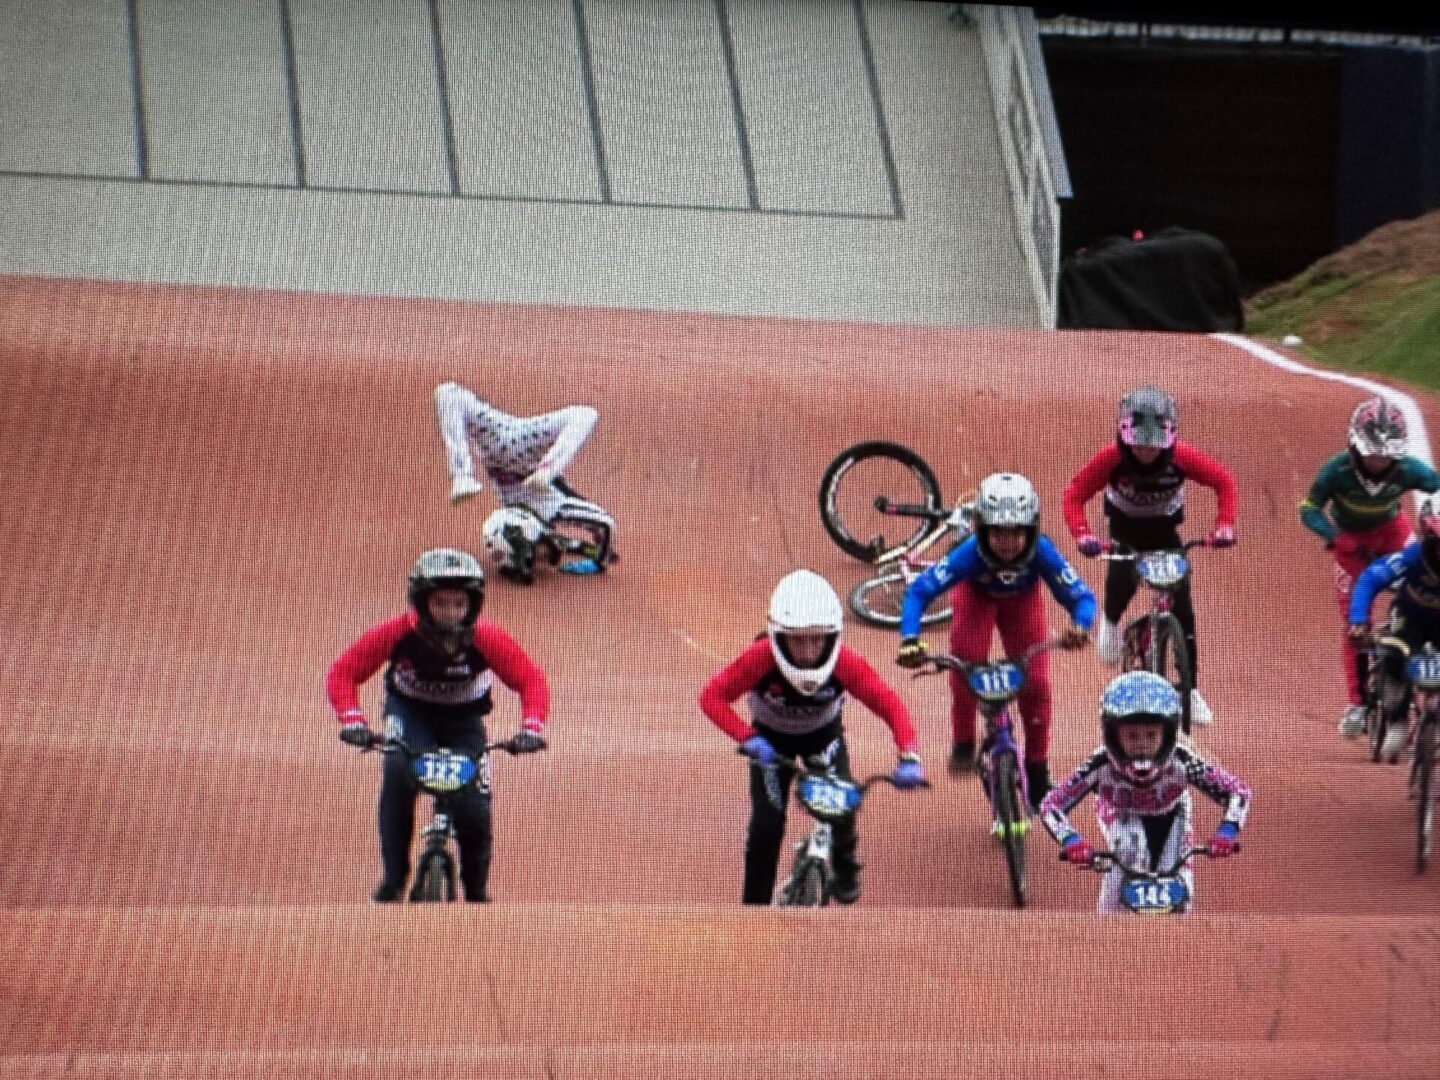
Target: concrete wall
[(828, 158)]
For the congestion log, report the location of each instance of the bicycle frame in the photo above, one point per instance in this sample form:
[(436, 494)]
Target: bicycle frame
[(906, 557), (1150, 892)]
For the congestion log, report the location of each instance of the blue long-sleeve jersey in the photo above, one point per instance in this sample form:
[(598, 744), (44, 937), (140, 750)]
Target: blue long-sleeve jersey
[(1418, 589), (966, 564)]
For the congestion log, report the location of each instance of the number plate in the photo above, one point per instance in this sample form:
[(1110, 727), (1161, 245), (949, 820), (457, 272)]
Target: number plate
[(828, 796), (443, 771), (996, 682), (1424, 671), (1162, 569), (1155, 896)]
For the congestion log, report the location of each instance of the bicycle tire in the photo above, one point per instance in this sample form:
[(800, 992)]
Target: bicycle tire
[(1007, 809), (878, 601), (1168, 648), (435, 879), (830, 483), (1424, 779), (1375, 712), (806, 887)]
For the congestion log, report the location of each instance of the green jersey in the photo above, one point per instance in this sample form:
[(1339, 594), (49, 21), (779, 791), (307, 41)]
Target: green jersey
[(1356, 504)]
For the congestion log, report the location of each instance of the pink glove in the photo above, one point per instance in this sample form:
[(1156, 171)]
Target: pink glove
[(1078, 850), (1225, 842), (1089, 545), (1223, 536)]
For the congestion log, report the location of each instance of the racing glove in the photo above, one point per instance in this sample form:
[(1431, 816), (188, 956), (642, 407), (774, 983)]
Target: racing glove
[(1074, 637), (1222, 536), (1076, 849), (1089, 545), (912, 653), (1226, 841), (910, 772), (354, 731), (1359, 634), (758, 749), (527, 741)]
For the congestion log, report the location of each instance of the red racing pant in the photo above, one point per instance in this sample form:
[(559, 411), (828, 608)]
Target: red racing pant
[(1021, 621), (1354, 551)]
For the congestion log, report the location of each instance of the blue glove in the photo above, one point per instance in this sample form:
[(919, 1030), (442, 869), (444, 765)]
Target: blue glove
[(909, 773), (758, 749), (1089, 545)]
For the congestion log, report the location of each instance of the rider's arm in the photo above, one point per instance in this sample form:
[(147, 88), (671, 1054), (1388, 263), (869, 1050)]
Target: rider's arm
[(1322, 490), (733, 682), (1204, 469), (1064, 797), (1419, 476), (860, 679), (1221, 785), (1379, 575), (962, 563), (1093, 476), (575, 423), (517, 671), (1065, 584), (360, 661)]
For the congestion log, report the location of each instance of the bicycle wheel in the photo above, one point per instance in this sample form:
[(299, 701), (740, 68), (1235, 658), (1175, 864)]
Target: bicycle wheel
[(435, 879), (806, 887), (1424, 792), (1012, 819), (1170, 659), (1375, 712), (878, 601), (850, 485)]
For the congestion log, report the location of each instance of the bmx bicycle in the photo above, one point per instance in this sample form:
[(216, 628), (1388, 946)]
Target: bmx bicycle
[(888, 493), (1149, 892), (441, 773), (1422, 699), (996, 684), (1155, 640), (829, 798)]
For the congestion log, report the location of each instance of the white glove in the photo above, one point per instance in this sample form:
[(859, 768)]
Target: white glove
[(464, 487)]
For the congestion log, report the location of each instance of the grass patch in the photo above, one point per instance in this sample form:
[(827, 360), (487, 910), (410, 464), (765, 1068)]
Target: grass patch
[(1386, 322)]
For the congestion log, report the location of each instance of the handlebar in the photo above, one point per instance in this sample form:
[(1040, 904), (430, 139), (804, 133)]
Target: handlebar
[(802, 768), (949, 662), (390, 742), (1116, 551), (1104, 861)]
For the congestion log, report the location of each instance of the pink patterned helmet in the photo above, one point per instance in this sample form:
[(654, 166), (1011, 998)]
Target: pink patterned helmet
[(1378, 429), (1148, 416)]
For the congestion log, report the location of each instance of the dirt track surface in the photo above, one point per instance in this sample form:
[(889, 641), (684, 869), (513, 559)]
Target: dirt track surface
[(210, 493)]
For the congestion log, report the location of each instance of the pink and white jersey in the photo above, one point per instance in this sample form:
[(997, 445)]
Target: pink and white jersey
[(1119, 795)]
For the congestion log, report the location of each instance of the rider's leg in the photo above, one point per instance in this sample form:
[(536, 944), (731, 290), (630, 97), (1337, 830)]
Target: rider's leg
[(1121, 581), (471, 812), (769, 793), (1169, 836), (1021, 622), (398, 793), (453, 406), (1354, 551), (845, 837), (1125, 836), (971, 627)]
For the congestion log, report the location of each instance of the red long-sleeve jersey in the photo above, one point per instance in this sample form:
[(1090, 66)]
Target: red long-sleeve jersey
[(418, 670), (775, 704), (1154, 493)]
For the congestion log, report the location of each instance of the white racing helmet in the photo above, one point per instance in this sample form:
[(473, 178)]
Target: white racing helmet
[(804, 603), (1007, 500), (507, 522)]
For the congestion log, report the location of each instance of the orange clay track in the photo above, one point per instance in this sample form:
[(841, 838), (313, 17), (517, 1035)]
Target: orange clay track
[(210, 493)]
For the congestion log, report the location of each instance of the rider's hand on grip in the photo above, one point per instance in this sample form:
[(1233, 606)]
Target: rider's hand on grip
[(1074, 638), (758, 749), (1078, 850), (913, 653), (909, 772), (1225, 842), (1359, 634), (1222, 536), (357, 733), (1089, 545), (527, 741)]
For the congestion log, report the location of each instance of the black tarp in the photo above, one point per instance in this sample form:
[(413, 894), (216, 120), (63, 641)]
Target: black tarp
[(1176, 279)]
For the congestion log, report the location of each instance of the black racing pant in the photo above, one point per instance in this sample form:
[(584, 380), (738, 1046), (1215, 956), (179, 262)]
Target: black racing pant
[(1416, 627), (1121, 579), (425, 727), (1157, 834), (769, 798)]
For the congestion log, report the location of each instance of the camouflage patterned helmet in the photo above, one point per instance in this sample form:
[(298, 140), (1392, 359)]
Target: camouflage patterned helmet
[(1378, 429), (1148, 416)]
